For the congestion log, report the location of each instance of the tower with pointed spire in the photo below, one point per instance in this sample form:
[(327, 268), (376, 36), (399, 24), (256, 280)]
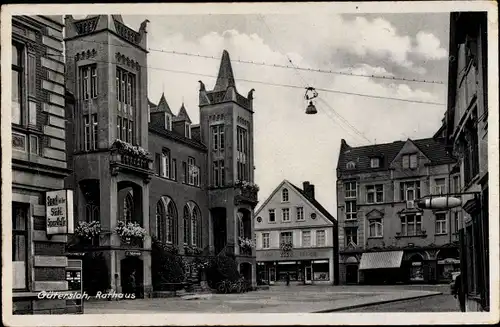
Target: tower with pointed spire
[(106, 72), (226, 121)]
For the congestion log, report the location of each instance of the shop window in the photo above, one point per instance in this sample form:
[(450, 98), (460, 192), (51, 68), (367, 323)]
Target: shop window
[(19, 245), (321, 270)]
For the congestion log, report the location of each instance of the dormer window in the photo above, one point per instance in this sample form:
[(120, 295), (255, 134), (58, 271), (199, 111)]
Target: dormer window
[(351, 165), (374, 162), (168, 122), (410, 161), (187, 130)]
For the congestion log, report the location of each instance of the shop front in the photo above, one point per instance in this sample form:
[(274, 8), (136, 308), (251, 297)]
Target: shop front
[(303, 266)]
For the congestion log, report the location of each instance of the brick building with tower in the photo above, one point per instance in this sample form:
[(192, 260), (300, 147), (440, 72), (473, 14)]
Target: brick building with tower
[(383, 236), (134, 161)]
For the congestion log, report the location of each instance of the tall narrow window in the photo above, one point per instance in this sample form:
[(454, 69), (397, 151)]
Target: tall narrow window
[(300, 213), (196, 227), (118, 88), (19, 245), (351, 236), (174, 169), (87, 135), (85, 82), (187, 218), (93, 82), (17, 84), (306, 238), (95, 139), (131, 131), (440, 187), (166, 163), (265, 241), (215, 172), (158, 164), (218, 137), (171, 218), (125, 129), (34, 144), (32, 75), (128, 208), (193, 172), (284, 195), (187, 130), (222, 173), (285, 214), (185, 172), (350, 190), (119, 128), (272, 216), (161, 233)]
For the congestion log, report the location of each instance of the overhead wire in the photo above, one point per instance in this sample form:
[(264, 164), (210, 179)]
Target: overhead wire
[(274, 84), (293, 66)]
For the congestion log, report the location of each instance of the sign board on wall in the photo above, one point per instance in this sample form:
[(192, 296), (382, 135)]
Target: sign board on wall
[(59, 209)]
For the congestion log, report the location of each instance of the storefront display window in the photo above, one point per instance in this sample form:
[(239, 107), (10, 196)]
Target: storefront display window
[(321, 270)]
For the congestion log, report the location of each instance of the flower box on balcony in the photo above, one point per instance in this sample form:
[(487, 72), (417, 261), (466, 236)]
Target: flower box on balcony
[(131, 234)]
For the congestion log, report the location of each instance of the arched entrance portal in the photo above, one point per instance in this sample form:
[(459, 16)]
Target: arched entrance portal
[(246, 271), (132, 278), (219, 218)]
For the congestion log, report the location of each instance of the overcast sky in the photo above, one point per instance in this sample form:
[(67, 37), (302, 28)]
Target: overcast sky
[(289, 144)]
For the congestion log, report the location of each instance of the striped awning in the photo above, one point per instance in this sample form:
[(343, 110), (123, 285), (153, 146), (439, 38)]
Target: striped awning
[(379, 260)]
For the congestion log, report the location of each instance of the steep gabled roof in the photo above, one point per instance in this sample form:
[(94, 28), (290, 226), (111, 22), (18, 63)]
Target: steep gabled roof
[(163, 105), (316, 204), (434, 149), (313, 202), (183, 115), (225, 78)]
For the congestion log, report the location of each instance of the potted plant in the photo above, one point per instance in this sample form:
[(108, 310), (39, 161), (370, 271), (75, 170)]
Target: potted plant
[(286, 246), (88, 230), (130, 232), (246, 244)]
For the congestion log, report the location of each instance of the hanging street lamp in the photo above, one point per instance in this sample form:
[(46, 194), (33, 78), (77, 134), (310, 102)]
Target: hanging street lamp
[(311, 93)]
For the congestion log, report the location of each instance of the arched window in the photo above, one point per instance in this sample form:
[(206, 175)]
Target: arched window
[(171, 221), (351, 165), (128, 208), (376, 228), (196, 227), (160, 222), (187, 216), (284, 195), (166, 218)]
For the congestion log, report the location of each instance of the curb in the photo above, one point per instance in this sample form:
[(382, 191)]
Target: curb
[(377, 303)]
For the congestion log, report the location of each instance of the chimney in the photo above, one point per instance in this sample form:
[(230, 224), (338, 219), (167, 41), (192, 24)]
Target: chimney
[(309, 189)]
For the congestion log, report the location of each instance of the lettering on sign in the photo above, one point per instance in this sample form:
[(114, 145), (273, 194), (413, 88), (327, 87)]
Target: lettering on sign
[(59, 210), (132, 253)]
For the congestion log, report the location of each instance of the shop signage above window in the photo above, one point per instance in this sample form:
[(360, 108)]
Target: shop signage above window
[(133, 253), (60, 217)]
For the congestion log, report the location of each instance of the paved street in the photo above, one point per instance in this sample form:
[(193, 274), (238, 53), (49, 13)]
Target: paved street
[(438, 303), (282, 299)]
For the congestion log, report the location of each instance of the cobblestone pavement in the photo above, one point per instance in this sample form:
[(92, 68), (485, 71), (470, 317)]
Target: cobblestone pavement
[(279, 299)]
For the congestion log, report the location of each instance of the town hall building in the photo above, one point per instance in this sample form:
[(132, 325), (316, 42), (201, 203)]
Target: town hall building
[(142, 164)]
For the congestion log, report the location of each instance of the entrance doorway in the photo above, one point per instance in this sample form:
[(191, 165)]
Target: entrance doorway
[(219, 229), (272, 275), (132, 276), (351, 274), (308, 275)]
